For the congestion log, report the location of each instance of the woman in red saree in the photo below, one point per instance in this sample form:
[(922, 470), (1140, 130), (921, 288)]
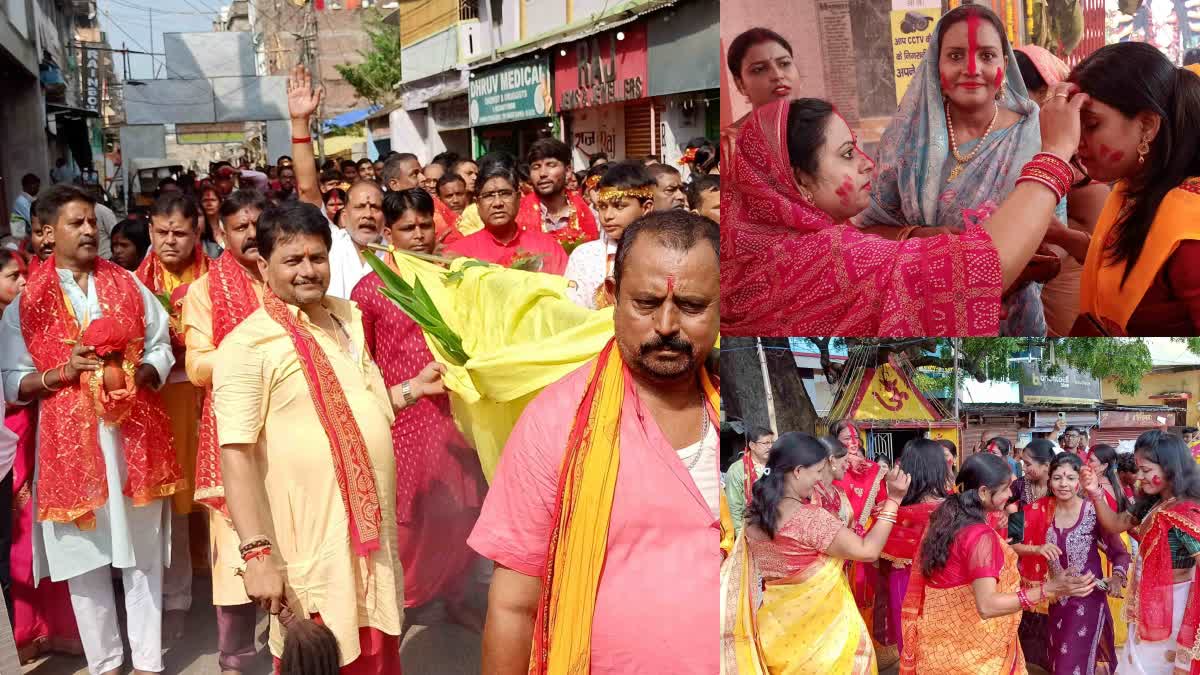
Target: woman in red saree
[(922, 459), (1163, 605), (793, 264), (964, 598), (863, 486)]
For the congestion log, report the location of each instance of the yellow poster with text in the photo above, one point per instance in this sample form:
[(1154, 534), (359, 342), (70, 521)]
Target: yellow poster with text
[(913, 22)]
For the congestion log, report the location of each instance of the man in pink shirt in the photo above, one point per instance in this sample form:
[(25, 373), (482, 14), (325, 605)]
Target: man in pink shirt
[(502, 240), (655, 604)]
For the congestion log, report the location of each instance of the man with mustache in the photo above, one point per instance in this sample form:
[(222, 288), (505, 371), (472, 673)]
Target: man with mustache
[(176, 259), (304, 421), (215, 304), (668, 189), (551, 207), (439, 482), (608, 490), (106, 465), (503, 239)]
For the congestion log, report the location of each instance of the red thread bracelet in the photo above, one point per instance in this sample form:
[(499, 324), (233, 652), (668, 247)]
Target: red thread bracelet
[(301, 141), (256, 553)]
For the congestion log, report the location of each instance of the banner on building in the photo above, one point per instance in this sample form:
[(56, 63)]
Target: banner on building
[(913, 22), (512, 92), (602, 69), (90, 82)]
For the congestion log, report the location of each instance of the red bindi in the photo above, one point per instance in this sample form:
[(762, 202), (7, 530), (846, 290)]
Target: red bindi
[(972, 40)]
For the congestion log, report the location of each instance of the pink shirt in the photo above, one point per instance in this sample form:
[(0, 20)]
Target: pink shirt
[(658, 605), (484, 246)]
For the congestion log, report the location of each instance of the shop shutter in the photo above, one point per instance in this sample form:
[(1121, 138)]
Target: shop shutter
[(1114, 437), (991, 428), (639, 130)]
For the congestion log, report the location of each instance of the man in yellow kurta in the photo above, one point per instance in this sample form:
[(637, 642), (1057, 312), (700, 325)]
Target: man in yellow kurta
[(215, 304), (304, 420), (175, 261)]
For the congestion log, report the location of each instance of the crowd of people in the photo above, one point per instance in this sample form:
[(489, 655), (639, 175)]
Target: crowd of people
[(1060, 554), (1008, 195), (231, 349)]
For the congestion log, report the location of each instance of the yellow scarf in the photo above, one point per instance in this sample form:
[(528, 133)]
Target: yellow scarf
[(1102, 294), (562, 633)]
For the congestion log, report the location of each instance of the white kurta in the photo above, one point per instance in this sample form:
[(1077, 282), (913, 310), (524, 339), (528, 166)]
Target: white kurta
[(588, 268), (124, 536), (346, 266)]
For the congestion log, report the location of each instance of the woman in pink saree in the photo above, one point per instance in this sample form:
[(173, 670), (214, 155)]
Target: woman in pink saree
[(792, 263)]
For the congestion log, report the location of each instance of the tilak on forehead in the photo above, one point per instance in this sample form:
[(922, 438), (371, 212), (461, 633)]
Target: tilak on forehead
[(670, 284), (972, 40)]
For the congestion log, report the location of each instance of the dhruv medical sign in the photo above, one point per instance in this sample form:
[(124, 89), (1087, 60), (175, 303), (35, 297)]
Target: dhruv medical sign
[(516, 91)]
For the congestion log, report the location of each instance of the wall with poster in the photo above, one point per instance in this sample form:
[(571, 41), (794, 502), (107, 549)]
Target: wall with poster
[(597, 130), (913, 22)]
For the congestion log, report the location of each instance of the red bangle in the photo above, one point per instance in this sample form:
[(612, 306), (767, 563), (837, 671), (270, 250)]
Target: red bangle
[(301, 141), (256, 553), (62, 374)]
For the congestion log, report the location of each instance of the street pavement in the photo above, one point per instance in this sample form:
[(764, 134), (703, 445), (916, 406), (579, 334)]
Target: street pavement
[(432, 647)]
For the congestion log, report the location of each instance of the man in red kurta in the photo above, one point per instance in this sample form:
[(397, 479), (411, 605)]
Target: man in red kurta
[(503, 240)]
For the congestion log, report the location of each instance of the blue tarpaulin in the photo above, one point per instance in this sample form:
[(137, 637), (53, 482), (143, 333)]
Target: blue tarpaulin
[(348, 118)]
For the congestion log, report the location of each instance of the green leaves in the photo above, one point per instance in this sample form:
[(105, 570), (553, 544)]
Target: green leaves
[(415, 301), (379, 72)]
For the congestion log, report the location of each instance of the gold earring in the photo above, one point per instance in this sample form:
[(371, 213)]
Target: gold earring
[(806, 194), (1143, 149), (1000, 93)]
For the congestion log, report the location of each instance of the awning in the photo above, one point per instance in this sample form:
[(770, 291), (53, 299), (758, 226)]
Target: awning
[(68, 111), (348, 118), (1176, 395)]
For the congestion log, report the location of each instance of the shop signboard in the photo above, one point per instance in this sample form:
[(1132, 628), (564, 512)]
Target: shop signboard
[(602, 69), (92, 88), (511, 92)]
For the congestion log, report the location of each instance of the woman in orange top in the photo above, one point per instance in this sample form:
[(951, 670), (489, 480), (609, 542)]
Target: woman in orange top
[(964, 597), (1140, 131)]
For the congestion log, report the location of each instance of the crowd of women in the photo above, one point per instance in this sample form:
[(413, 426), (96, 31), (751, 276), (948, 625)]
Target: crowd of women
[(1085, 564), (1008, 195)]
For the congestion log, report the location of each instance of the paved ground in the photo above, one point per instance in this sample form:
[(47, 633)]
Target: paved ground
[(432, 647)]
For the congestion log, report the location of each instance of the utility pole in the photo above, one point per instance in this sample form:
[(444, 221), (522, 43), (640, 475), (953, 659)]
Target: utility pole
[(150, 13), (954, 344), (762, 362), (312, 61)]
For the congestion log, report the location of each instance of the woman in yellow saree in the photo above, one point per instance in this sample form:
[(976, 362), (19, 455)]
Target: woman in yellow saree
[(964, 600), (807, 621)]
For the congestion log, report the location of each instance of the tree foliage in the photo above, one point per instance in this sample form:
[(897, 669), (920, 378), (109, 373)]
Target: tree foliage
[(1123, 360), (376, 77)]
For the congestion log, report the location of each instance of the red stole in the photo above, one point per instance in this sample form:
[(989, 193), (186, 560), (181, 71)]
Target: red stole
[(581, 227), (1155, 601), (446, 222), (231, 291), (71, 471), (748, 469), (905, 539), (862, 487), (351, 463), (151, 272)]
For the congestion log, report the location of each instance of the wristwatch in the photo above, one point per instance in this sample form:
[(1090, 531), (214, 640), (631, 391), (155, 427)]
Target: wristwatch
[(406, 392)]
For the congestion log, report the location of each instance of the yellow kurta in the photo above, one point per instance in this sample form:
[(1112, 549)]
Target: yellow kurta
[(261, 398), (182, 401), (223, 542), (469, 221)]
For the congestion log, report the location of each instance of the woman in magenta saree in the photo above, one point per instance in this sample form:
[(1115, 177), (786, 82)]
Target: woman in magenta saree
[(43, 619)]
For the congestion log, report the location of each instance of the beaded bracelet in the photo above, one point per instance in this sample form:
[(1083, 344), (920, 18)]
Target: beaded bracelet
[(263, 552), (257, 542), (1023, 598)]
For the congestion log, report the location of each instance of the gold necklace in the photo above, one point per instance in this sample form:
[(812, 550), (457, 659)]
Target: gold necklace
[(962, 161)]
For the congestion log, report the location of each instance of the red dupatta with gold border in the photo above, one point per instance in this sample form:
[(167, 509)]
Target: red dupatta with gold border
[(581, 226), (1153, 604), (351, 463), (231, 292), (71, 469), (787, 268)]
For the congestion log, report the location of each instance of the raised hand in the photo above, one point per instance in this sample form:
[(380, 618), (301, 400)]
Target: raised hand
[(303, 97), (897, 484)]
